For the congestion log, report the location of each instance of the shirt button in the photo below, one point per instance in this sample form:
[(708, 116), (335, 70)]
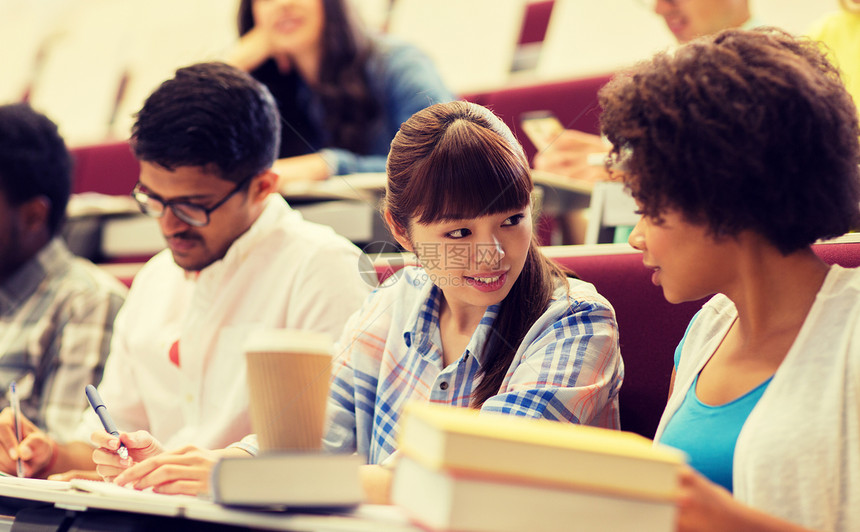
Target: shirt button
[(443, 385)]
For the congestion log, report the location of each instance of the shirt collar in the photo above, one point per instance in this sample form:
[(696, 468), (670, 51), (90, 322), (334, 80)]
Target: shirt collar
[(424, 317), (246, 243)]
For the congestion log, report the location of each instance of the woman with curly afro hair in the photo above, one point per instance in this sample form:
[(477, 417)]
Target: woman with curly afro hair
[(741, 150)]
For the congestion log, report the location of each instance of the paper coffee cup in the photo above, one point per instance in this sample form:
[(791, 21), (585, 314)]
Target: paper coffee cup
[(288, 381)]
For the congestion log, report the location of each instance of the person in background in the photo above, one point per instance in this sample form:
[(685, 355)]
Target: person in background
[(56, 310), (840, 31), (487, 321), (573, 153), (238, 259), (690, 19), (341, 92), (741, 150)]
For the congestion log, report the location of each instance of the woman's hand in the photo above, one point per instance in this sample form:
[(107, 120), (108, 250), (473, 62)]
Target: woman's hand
[(706, 507), (253, 49), (376, 482)]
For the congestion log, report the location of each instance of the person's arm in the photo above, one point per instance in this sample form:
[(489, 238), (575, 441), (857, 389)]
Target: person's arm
[(357, 354), (309, 167), (252, 50), (407, 81), (576, 154), (570, 371), (84, 326), (82, 345), (41, 455), (185, 471), (119, 392)]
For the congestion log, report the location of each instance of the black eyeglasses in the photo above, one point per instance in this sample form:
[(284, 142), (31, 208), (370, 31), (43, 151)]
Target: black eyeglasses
[(190, 213)]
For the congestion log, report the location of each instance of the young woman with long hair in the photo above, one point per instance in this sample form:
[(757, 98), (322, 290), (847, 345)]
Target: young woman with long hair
[(342, 93), (741, 150)]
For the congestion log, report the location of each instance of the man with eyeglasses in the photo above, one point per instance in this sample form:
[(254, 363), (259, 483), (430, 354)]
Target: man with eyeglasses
[(238, 260), (56, 310)]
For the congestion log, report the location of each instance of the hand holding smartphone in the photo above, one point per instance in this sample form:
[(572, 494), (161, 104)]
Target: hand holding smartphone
[(541, 127)]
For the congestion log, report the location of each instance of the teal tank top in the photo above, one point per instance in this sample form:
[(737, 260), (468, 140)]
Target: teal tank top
[(708, 433)]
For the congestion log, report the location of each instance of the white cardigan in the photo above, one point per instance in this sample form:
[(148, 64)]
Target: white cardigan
[(798, 454)]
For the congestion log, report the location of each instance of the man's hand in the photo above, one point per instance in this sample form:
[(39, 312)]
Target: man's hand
[(141, 445), (571, 153), (36, 448), (184, 471)]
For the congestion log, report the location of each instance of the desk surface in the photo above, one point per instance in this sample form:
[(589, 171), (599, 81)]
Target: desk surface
[(365, 187), (372, 185), (137, 505), (560, 182)]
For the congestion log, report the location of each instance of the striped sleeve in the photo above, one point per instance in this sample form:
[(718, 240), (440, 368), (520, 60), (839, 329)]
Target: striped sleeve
[(567, 369)]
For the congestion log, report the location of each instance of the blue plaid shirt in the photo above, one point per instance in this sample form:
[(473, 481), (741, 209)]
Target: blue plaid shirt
[(568, 366)]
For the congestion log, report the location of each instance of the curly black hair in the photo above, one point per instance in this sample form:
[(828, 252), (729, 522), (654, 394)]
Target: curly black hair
[(34, 161), (741, 130)]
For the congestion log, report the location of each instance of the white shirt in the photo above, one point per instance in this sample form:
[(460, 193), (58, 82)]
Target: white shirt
[(284, 272), (798, 454)]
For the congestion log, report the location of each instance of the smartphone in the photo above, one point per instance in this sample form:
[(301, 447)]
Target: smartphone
[(541, 127)]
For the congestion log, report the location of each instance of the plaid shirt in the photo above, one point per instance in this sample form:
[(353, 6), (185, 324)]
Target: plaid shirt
[(568, 366), (56, 320)]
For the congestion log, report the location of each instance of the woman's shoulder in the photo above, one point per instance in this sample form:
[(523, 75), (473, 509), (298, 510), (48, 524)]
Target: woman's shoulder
[(575, 301), (841, 281), (387, 45), (575, 293), (404, 287), (392, 55)]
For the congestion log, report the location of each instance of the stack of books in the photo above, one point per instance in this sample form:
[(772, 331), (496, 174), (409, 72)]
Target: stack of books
[(288, 481), (468, 471)]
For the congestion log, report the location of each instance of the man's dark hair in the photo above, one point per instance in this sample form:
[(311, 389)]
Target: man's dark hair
[(209, 115), (34, 161), (742, 130)]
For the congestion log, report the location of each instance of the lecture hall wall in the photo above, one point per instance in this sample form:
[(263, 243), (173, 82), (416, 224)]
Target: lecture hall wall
[(89, 64)]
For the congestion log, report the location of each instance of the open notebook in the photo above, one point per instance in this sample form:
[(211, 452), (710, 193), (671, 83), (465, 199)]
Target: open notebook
[(80, 495)]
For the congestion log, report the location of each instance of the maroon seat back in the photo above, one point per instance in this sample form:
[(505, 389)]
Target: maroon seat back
[(104, 168), (536, 21), (650, 327), (574, 102), (649, 330)]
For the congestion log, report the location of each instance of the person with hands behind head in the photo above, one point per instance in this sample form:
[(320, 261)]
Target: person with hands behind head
[(741, 151), (487, 321), (342, 92), (238, 259)]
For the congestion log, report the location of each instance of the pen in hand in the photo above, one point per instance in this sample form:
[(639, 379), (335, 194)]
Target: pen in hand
[(16, 411), (101, 410)]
